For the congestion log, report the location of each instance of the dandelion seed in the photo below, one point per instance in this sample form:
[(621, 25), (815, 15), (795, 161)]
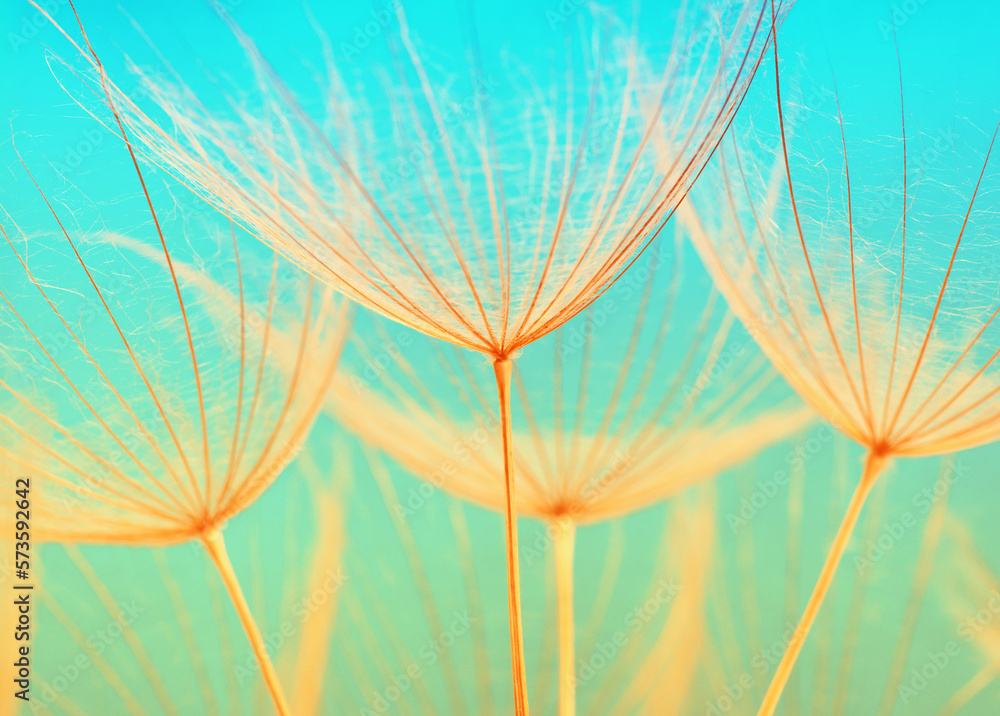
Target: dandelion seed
[(684, 399), (974, 599), (187, 659), (503, 220), (634, 648), (895, 345), (146, 419), (743, 652)]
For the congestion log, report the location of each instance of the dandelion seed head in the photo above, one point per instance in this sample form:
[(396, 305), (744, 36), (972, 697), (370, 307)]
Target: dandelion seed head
[(150, 419), (869, 284), (485, 209), (648, 392)]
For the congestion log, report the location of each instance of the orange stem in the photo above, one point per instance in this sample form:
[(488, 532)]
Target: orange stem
[(502, 368), (874, 463), (216, 547), (563, 545)]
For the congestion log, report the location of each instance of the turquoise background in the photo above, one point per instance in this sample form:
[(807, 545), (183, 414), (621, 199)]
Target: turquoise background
[(951, 81)]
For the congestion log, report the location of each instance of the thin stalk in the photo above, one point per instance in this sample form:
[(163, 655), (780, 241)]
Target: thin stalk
[(874, 463), (216, 547), (564, 541), (502, 368)]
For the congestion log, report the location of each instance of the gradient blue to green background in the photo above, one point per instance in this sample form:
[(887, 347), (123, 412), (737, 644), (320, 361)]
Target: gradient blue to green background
[(951, 80)]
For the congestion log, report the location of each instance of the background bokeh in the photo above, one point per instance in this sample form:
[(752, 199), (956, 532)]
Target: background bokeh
[(952, 79)]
